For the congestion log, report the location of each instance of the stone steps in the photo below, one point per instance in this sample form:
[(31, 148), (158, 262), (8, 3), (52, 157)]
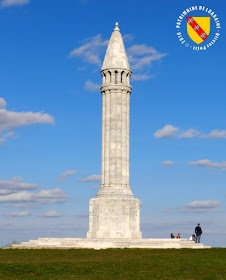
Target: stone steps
[(110, 243)]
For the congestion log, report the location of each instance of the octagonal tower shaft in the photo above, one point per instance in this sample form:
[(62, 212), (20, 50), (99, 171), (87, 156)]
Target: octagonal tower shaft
[(116, 92), (114, 212)]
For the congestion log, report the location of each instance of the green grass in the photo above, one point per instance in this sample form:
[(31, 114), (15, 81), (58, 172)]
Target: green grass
[(114, 264)]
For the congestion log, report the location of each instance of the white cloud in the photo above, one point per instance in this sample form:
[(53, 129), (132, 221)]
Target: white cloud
[(91, 178), (141, 56), (64, 176), (141, 77), (24, 195), (3, 103), (209, 163), (190, 133), (17, 179), (198, 206), (12, 186), (201, 206), (8, 3), (201, 162), (43, 196), (51, 213), (51, 196), (90, 51), (217, 134), (19, 214), (5, 136), (10, 120), (168, 131), (25, 205), (167, 163), (128, 37), (204, 204), (90, 86)]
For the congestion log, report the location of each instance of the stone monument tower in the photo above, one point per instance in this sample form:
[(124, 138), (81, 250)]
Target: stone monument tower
[(115, 213)]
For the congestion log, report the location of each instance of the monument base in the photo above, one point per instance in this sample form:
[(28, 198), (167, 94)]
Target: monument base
[(114, 218), (89, 243)]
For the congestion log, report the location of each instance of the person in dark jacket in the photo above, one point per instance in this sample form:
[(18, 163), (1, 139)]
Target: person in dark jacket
[(172, 235), (198, 232)]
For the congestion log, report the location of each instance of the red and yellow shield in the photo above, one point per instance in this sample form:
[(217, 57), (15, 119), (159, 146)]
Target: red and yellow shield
[(198, 28)]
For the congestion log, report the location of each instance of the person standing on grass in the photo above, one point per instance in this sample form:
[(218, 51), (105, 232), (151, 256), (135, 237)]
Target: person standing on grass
[(198, 232), (178, 236)]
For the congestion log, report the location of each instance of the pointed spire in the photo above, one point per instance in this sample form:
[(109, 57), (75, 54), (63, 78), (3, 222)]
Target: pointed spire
[(116, 27), (115, 57)]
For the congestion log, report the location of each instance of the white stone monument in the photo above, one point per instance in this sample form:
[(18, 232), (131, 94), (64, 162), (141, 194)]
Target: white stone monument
[(115, 213)]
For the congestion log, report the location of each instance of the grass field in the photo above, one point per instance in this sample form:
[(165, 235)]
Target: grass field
[(45, 264)]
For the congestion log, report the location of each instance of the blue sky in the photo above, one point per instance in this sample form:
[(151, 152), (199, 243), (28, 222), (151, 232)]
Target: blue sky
[(50, 118)]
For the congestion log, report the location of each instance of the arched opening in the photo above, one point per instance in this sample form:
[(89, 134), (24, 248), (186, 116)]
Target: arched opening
[(127, 78), (122, 76), (104, 78), (116, 75), (109, 77)]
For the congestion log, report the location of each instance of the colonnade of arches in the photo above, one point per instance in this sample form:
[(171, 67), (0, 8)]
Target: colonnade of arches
[(115, 76)]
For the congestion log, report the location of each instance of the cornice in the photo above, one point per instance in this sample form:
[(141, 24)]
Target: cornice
[(116, 87)]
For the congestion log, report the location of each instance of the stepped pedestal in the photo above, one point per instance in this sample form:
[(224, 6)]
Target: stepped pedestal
[(100, 243)]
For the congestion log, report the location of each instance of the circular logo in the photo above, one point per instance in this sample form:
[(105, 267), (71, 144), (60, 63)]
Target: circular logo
[(198, 28)]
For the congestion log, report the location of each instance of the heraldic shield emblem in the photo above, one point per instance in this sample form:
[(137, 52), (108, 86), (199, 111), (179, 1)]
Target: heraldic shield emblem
[(198, 28)]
